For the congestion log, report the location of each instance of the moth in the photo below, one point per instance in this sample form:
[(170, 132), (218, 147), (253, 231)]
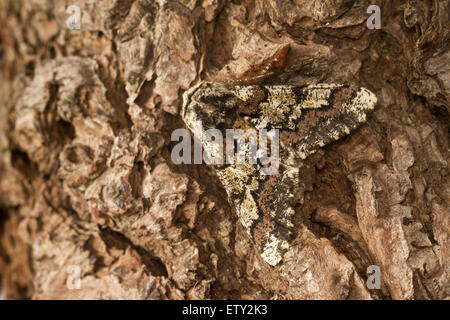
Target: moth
[(305, 118)]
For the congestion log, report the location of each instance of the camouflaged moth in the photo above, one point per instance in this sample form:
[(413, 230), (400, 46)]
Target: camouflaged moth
[(307, 117)]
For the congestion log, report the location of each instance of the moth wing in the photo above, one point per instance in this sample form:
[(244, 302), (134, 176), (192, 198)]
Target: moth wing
[(308, 117), (264, 205)]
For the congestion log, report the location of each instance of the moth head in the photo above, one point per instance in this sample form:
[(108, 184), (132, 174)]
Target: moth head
[(211, 103)]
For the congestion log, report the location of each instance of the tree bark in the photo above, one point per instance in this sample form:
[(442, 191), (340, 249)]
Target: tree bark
[(92, 207)]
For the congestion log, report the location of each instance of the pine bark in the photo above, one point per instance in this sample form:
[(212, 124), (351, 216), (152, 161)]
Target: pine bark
[(87, 185)]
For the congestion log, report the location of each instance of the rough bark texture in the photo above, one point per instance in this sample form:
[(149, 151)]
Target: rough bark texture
[(86, 177)]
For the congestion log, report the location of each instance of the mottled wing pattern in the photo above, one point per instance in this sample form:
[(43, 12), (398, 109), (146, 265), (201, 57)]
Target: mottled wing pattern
[(307, 117)]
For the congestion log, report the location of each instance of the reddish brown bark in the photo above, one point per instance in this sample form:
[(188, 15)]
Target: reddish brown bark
[(86, 178)]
